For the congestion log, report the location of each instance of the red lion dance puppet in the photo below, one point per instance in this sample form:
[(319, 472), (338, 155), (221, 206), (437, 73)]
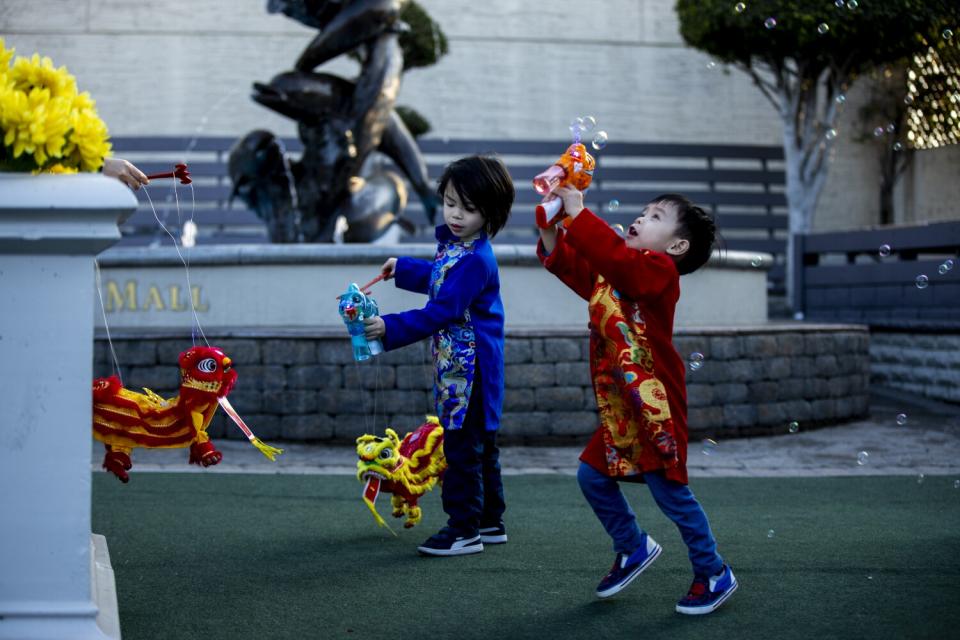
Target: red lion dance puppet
[(124, 419)]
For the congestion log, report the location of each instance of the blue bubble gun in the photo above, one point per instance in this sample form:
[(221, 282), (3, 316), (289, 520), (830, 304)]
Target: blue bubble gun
[(355, 306)]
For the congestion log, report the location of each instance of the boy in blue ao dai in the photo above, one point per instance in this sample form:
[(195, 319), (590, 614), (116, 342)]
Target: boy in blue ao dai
[(464, 319)]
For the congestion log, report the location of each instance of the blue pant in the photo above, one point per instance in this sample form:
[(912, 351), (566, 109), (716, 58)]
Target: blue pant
[(674, 499), (472, 491)]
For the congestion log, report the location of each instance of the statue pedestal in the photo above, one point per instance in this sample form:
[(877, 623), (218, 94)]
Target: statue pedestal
[(53, 577)]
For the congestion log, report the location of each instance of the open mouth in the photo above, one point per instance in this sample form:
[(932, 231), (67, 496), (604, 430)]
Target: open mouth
[(631, 231), (373, 474)]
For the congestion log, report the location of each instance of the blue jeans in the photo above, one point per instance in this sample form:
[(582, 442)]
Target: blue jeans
[(472, 491), (675, 500)]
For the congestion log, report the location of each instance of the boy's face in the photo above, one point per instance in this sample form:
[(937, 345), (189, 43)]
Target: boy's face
[(656, 229), (463, 220)]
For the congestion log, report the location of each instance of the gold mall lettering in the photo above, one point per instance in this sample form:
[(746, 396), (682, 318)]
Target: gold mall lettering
[(132, 297)]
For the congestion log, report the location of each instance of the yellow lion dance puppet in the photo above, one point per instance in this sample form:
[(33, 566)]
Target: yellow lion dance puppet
[(407, 469)]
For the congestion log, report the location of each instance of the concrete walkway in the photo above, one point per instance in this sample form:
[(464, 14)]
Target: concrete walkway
[(929, 444)]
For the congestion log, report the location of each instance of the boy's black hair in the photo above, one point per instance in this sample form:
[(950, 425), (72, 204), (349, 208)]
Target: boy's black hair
[(695, 226), (483, 183)]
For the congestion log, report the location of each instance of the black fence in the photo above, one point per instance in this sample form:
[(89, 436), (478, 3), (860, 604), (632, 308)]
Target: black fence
[(742, 185), (897, 277)]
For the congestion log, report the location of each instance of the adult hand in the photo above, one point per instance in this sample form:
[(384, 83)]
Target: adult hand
[(125, 172)]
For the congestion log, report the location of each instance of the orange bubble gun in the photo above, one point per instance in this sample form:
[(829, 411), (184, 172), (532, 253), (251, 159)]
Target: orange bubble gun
[(575, 168)]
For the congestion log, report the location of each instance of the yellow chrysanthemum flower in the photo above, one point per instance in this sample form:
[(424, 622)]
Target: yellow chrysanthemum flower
[(45, 123), (6, 55)]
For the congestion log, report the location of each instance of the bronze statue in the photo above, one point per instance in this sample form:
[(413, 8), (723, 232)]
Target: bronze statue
[(340, 122)]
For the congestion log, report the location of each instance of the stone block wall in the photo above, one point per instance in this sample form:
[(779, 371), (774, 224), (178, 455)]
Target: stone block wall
[(308, 388), (927, 364)]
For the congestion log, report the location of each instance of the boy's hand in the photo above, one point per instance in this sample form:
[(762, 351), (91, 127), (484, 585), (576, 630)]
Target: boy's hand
[(388, 268), (374, 328), (572, 200), (666, 446)]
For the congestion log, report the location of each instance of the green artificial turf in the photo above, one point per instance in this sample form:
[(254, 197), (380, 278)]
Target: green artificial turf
[(256, 556)]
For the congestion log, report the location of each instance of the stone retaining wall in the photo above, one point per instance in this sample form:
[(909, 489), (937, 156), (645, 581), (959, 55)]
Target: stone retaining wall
[(924, 363), (307, 387)]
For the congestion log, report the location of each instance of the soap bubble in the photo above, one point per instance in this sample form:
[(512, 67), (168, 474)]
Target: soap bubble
[(921, 478), (619, 229), (908, 100), (922, 281), (862, 458), (708, 446), (588, 123), (878, 132), (839, 3), (823, 28), (576, 127), (793, 427), (852, 4), (770, 22), (712, 64), (897, 146), (740, 7), (884, 250), (891, 128), (770, 533), (696, 360), (840, 99), (956, 484), (757, 261), (901, 419), (613, 205), (947, 34), (945, 267), (600, 140), (830, 134)]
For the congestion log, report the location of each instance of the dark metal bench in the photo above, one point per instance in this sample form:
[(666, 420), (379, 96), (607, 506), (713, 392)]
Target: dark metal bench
[(742, 185), (842, 276)]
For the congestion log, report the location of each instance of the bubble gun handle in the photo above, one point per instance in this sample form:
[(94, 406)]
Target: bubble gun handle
[(575, 168)]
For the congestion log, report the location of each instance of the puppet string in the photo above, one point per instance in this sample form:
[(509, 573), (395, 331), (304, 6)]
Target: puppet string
[(186, 267), (106, 325)]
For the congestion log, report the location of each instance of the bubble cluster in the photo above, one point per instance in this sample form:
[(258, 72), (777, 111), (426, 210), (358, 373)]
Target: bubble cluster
[(740, 7), (696, 360), (770, 23), (599, 140), (862, 458), (613, 205), (793, 427), (884, 250), (823, 28), (901, 419), (922, 281), (708, 446)]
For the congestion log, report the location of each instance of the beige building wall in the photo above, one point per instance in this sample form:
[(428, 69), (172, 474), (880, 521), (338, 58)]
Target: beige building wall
[(515, 70)]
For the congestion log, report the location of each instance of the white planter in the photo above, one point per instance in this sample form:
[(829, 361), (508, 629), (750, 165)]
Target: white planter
[(51, 227)]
